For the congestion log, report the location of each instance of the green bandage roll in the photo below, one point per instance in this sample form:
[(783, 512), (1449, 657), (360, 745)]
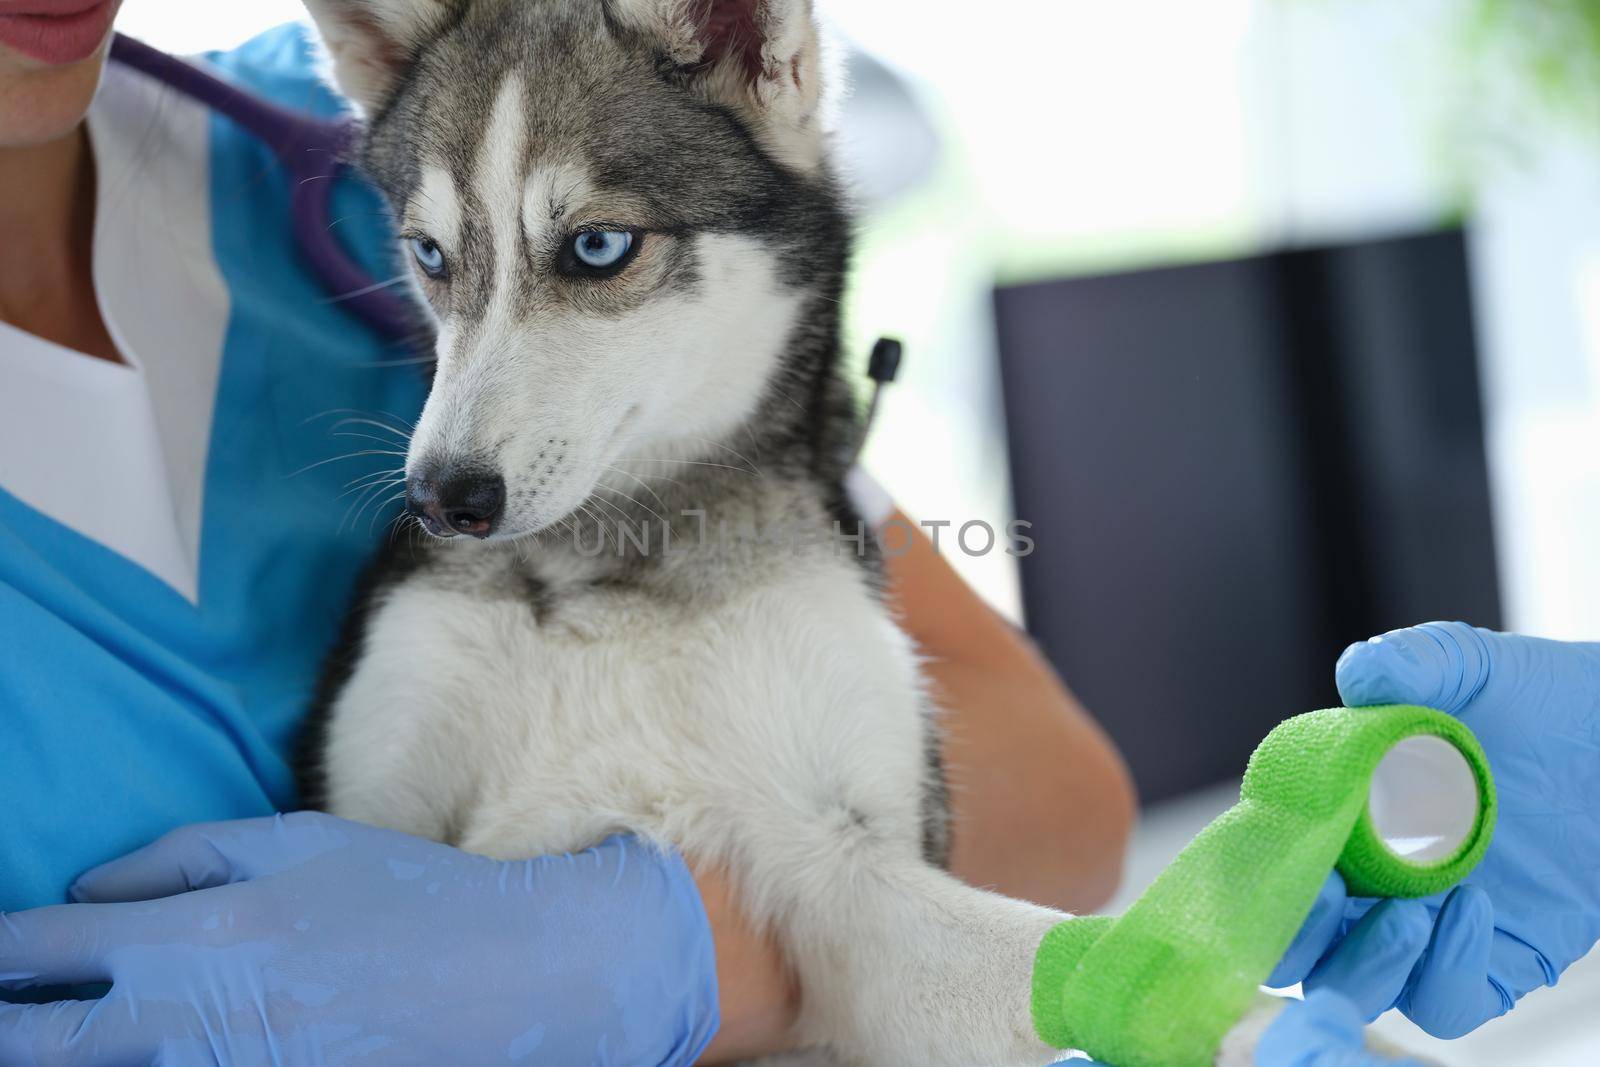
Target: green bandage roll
[(1399, 798)]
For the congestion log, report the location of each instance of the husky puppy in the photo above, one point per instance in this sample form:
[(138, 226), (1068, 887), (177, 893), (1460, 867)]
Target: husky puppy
[(646, 605)]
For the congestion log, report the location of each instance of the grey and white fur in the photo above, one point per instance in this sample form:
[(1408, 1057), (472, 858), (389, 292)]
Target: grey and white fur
[(746, 699)]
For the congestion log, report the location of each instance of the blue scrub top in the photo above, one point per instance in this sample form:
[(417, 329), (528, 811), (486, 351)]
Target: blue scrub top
[(125, 710)]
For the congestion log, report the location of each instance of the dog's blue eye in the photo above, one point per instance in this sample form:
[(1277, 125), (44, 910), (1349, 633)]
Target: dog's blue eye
[(428, 256), (602, 249)]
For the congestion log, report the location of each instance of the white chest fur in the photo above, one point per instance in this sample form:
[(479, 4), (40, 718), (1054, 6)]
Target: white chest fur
[(515, 731)]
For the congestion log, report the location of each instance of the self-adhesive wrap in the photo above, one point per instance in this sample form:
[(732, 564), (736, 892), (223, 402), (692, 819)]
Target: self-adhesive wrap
[(1161, 985)]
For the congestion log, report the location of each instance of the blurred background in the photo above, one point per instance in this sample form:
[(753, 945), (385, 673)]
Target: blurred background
[(1279, 320)]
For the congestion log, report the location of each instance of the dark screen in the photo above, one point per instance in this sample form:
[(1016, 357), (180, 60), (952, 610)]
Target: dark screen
[(1235, 469)]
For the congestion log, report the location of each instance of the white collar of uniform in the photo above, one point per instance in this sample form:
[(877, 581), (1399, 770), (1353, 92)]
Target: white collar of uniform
[(136, 481)]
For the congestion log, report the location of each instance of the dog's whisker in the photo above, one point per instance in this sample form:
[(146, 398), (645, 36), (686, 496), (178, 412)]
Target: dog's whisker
[(331, 411), (611, 509), (785, 394), (372, 497), (412, 361), (409, 425), (378, 512), (369, 485), (602, 524), (646, 485), (731, 450), (347, 455), (391, 472), (380, 483), (363, 291), (653, 477), (391, 216), (351, 513), (398, 524), (699, 463), (403, 434), (363, 436), (636, 501)]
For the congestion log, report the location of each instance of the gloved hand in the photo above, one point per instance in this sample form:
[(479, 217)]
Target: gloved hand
[(311, 940), (1324, 1030), (1533, 906)]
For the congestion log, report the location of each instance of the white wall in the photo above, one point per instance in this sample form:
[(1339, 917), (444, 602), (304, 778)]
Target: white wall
[(184, 26)]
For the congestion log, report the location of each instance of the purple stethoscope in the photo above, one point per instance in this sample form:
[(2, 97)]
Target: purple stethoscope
[(312, 150)]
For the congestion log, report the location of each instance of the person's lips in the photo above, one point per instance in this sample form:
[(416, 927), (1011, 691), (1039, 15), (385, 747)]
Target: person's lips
[(55, 31)]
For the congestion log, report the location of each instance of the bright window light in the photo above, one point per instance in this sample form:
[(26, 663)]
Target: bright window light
[(184, 27)]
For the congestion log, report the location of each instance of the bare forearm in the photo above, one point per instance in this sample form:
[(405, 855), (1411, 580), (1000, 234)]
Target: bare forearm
[(1043, 803), (757, 996)]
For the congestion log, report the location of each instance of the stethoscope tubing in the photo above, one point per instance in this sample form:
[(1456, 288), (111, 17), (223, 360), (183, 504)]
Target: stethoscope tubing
[(313, 151)]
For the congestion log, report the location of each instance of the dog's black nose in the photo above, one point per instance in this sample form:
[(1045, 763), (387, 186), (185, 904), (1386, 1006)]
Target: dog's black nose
[(457, 501)]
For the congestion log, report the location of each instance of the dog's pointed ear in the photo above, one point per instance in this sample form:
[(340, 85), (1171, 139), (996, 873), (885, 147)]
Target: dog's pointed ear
[(371, 42), (760, 57)]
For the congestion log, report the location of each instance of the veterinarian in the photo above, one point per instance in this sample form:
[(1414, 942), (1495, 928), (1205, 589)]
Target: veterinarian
[(184, 412)]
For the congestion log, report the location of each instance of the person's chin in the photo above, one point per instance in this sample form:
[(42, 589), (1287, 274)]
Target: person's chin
[(40, 104)]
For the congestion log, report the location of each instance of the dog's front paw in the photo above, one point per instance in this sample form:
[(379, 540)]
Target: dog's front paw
[(1324, 1028), (1240, 1043)]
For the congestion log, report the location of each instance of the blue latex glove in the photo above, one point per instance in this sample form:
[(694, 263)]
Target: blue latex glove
[(1533, 905), (1324, 1030), (311, 940)]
